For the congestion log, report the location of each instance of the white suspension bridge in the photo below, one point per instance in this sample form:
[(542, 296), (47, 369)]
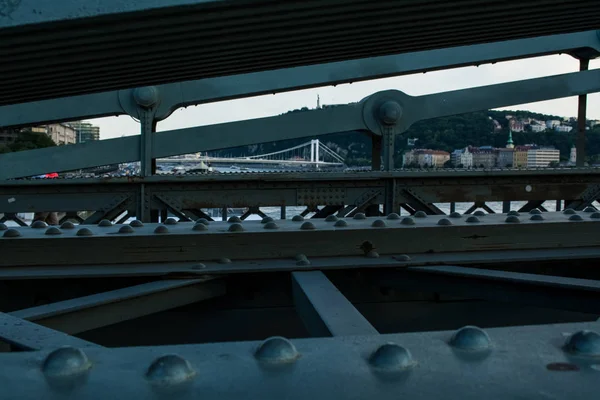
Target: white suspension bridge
[(313, 153)]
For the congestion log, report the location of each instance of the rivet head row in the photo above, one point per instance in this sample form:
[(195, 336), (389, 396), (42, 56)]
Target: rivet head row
[(3, 227), (569, 211), (407, 221), (307, 226), (203, 221), (53, 231), (66, 362), (67, 225), (297, 218), (235, 220), (276, 350), (161, 229), (271, 225), (444, 222), (472, 219), (595, 215), (537, 217), (85, 232), (455, 215), (331, 218), (360, 216), (589, 210), (136, 223), (39, 225), (199, 227), (575, 217), (479, 213), (170, 370), (224, 260), (393, 216), (535, 211), (236, 227), (170, 221), (378, 223), (391, 357), (104, 223), (126, 229), (470, 338), (372, 254), (512, 219), (584, 343), (513, 214), (266, 220), (341, 224), (420, 214), (11, 233)]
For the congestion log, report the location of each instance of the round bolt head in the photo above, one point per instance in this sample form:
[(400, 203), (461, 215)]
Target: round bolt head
[(341, 224), (535, 211), (331, 218), (3, 227), (161, 229), (307, 226), (200, 227), (590, 210), (170, 221), (300, 257), (277, 350), (39, 225), (85, 232), (66, 362), (199, 266), (360, 216), (455, 215), (266, 220), (512, 219), (470, 338), (372, 254), (393, 216), (105, 223), (444, 222), (170, 370), (224, 260), (146, 96), (472, 219), (420, 214), (479, 213), (126, 229), (378, 223), (301, 263), (403, 257), (595, 215), (584, 343), (407, 221), (575, 217), (536, 217), (297, 218), (513, 213), (12, 233), (53, 231), (391, 357), (390, 112), (569, 211), (203, 221), (67, 225), (271, 225), (136, 223), (235, 227), (235, 220)]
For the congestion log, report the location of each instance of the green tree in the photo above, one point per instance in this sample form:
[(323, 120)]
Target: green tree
[(28, 140)]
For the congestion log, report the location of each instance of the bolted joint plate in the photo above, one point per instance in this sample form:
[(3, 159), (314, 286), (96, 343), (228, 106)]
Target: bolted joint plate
[(386, 110)]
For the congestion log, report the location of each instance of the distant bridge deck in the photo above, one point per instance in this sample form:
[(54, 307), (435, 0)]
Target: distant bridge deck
[(219, 160)]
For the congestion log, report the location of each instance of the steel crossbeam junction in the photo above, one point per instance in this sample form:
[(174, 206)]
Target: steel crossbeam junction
[(373, 290)]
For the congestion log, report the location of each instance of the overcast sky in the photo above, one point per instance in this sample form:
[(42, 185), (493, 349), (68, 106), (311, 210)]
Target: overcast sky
[(417, 84)]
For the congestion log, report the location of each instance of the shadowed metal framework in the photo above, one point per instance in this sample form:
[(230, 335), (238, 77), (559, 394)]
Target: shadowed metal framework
[(195, 297)]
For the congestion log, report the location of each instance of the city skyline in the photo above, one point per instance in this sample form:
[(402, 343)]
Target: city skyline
[(416, 84)]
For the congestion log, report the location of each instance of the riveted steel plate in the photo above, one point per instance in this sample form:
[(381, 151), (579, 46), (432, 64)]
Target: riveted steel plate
[(321, 195)]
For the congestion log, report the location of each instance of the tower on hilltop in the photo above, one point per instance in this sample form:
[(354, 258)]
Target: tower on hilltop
[(510, 144)]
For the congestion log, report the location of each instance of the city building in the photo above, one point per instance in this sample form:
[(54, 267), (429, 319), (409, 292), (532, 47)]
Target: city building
[(86, 132), (8, 136), (425, 158), (61, 133), (563, 128), (553, 123), (462, 158), (505, 157), (516, 125), (520, 156), (573, 156), (484, 156), (542, 157), (537, 127)]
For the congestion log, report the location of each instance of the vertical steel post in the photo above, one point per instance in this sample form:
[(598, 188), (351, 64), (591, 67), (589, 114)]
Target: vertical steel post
[(452, 207), (505, 206), (581, 117), (282, 215), (376, 152)]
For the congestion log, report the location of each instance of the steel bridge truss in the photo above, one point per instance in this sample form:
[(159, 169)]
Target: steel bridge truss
[(339, 286)]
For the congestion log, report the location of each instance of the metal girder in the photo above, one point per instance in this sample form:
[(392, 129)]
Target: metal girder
[(410, 365), (187, 93), (255, 36), (324, 310), (26, 335), (561, 293), (355, 189), (102, 309), (180, 242), (369, 115)]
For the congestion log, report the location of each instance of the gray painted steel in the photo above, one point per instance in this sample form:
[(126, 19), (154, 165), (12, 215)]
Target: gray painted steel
[(324, 309), (526, 362)]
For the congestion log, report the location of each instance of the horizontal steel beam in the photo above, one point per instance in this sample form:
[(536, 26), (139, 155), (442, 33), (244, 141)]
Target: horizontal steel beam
[(410, 365), (103, 309), (26, 335), (180, 94), (324, 309), (562, 293), (181, 242), (364, 116)]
